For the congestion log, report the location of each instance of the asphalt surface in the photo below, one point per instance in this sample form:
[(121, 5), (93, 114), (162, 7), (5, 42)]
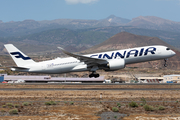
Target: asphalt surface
[(82, 89), (86, 84), (92, 83)]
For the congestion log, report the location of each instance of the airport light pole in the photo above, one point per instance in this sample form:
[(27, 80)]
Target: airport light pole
[(65, 77)]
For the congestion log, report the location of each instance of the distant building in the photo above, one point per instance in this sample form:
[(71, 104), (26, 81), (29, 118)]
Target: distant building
[(3, 74), (1, 79), (47, 79), (150, 79), (171, 78)]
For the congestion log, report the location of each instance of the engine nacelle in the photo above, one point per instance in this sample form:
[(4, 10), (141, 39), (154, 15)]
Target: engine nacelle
[(115, 64)]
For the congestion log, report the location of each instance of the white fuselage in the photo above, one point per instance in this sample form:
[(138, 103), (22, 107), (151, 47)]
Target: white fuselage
[(71, 64)]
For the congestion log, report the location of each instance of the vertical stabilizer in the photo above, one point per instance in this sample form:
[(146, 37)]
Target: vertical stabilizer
[(19, 58)]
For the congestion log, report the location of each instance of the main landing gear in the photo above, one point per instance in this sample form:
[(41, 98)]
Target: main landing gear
[(165, 64), (94, 74)]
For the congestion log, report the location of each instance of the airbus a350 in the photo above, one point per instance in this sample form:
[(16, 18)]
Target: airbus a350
[(108, 61)]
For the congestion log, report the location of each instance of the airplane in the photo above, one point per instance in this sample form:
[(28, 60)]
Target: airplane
[(108, 61)]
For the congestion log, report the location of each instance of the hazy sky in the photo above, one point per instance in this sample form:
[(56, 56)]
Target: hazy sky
[(19, 10)]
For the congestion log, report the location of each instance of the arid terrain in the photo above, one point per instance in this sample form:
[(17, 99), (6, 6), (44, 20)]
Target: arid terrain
[(88, 104)]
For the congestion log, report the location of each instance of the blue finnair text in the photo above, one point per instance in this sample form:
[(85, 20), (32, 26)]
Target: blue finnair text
[(127, 54)]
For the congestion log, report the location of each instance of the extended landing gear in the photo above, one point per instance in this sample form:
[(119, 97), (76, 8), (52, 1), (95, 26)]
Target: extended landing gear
[(94, 74), (165, 64)]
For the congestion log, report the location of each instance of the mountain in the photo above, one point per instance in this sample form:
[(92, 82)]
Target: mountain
[(75, 40), (82, 34), (65, 37), (125, 40), (156, 23), (169, 37), (27, 27), (81, 39), (118, 20)]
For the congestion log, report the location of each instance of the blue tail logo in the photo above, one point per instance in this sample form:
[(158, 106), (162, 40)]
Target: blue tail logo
[(19, 55)]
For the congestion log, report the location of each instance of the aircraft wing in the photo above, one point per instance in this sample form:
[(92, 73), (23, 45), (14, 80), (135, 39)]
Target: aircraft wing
[(88, 60)]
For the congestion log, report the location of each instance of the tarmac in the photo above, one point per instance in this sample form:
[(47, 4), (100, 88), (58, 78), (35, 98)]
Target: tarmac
[(83, 89)]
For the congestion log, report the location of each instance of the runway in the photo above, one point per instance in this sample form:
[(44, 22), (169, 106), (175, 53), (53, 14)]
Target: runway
[(91, 84), (83, 89), (88, 86)]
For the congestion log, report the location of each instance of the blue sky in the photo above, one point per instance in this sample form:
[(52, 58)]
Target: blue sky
[(19, 10)]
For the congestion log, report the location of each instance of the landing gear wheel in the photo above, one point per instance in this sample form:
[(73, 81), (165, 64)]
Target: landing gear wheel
[(91, 75), (94, 75), (165, 65)]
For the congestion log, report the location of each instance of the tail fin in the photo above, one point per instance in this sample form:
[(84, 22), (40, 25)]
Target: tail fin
[(19, 58)]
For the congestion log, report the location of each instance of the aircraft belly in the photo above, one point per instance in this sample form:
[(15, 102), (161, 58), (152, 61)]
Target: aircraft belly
[(53, 69), (141, 59)]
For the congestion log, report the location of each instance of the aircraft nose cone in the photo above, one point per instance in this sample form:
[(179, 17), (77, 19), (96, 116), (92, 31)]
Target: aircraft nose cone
[(173, 53)]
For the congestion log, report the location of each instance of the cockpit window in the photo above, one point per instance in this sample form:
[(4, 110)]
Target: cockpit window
[(168, 49)]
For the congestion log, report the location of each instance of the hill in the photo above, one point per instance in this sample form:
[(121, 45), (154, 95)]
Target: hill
[(169, 37), (156, 23), (124, 40), (74, 40)]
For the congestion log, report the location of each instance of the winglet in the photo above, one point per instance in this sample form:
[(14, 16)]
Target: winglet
[(66, 52), (61, 49)]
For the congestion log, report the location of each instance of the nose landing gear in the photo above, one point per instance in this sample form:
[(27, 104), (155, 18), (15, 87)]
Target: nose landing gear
[(94, 74), (165, 64)]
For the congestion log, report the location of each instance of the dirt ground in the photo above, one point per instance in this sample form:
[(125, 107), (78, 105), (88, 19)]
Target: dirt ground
[(87, 86), (89, 105)]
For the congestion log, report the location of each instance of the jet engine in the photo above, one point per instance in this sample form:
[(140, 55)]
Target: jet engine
[(115, 64)]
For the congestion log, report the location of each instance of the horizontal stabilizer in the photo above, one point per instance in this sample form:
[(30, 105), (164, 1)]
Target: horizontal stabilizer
[(23, 68)]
